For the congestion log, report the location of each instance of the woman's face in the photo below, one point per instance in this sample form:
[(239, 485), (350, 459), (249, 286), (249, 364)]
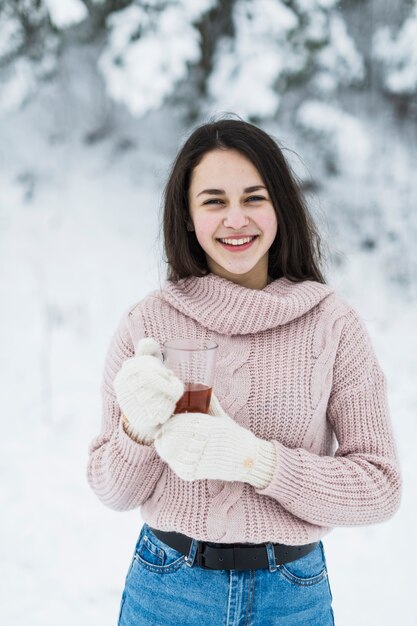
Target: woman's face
[(228, 200)]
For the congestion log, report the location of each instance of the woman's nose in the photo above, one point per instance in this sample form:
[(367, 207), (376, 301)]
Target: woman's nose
[(236, 217)]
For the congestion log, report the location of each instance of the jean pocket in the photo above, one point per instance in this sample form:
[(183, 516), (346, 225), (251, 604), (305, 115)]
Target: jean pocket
[(155, 555), (307, 570)]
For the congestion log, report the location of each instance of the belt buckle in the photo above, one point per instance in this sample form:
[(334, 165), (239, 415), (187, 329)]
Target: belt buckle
[(200, 554)]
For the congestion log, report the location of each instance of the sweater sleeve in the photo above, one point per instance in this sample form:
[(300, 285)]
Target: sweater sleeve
[(122, 472), (361, 484)]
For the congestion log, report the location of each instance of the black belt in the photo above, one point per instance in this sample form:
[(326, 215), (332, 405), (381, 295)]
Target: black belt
[(236, 556)]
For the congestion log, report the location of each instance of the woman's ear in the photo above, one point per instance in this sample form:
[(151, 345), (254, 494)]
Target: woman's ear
[(190, 226)]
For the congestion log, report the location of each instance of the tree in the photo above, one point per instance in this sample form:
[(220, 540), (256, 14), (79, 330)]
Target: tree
[(238, 55), (281, 46), (397, 54), (29, 46), (241, 55)]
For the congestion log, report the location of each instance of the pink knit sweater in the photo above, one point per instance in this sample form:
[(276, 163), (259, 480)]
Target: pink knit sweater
[(296, 366)]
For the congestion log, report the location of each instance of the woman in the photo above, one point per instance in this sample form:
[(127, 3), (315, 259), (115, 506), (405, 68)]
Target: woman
[(298, 437)]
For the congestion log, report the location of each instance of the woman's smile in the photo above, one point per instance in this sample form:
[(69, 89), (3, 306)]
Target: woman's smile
[(238, 245)]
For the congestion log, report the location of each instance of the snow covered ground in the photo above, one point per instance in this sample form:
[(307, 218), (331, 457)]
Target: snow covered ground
[(78, 244)]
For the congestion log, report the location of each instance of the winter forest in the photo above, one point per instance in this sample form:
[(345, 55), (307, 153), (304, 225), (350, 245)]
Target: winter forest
[(96, 96)]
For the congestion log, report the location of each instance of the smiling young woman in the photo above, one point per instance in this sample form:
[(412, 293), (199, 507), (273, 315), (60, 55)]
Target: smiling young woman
[(298, 438), (295, 252)]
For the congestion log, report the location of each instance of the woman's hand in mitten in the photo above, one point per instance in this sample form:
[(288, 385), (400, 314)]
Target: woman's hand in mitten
[(146, 391), (214, 446)]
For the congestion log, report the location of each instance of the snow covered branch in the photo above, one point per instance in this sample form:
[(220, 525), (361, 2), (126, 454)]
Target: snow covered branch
[(398, 55)]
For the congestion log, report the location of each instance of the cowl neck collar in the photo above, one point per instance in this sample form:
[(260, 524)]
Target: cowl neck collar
[(230, 309)]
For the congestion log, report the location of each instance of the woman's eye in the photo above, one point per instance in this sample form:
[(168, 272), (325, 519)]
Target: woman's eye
[(255, 198), (214, 200)]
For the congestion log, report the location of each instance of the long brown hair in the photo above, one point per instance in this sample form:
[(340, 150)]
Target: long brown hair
[(296, 250)]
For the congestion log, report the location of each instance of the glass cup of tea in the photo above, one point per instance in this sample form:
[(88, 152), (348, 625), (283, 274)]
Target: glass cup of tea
[(193, 362)]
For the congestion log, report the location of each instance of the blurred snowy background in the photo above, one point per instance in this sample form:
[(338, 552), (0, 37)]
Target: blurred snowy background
[(95, 98)]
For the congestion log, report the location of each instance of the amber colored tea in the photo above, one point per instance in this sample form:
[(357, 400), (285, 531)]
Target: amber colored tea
[(195, 399)]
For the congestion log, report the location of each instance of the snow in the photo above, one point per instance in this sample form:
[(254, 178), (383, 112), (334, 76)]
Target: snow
[(66, 12), (340, 58), (246, 67), (399, 55), (273, 44), (63, 226), (308, 6), (140, 72), (347, 139), (19, 74), (11, 36), (19, 83)]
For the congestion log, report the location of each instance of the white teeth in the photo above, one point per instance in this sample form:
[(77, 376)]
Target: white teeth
[(237, 242)]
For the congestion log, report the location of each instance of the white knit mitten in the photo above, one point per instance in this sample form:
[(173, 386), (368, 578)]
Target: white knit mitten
[(214, 446), (147, 391)]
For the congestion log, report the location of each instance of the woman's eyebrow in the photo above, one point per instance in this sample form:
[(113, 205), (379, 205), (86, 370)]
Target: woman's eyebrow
[(220, 192)]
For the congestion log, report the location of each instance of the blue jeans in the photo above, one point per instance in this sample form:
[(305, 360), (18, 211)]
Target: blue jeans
[(164, 587)]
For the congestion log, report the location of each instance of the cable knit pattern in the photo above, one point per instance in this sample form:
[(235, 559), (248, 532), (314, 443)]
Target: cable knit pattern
[(225, 497), (296, 367)]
